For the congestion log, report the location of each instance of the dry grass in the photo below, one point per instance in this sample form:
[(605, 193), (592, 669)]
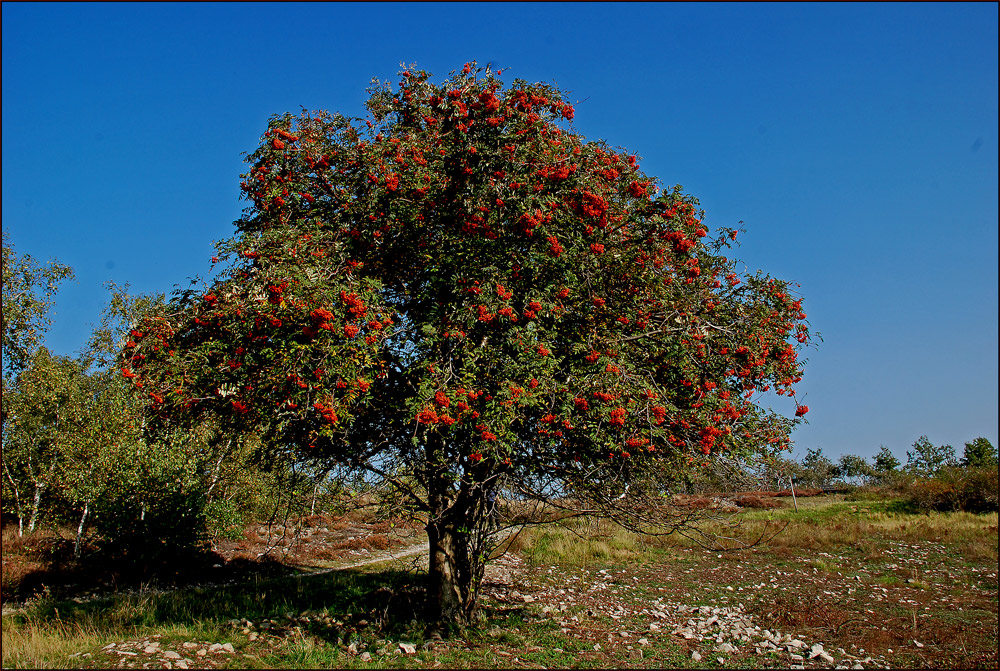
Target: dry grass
[(819, 525), (47, 645), (581, 542)]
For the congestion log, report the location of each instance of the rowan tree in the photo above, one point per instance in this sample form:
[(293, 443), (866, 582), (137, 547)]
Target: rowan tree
[(460, 293)]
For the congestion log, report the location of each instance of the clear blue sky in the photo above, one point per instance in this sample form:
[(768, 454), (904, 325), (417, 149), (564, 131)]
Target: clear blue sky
[(857, 141)]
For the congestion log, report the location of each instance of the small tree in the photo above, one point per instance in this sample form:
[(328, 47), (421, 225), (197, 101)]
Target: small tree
[(43, 410), (885, 461), (817, 469), (854, 469), (926, 458), (979, 453), (460, 296)]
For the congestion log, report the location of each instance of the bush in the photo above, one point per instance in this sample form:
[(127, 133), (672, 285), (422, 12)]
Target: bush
[(224, 519), (972, 490), (756, 501)]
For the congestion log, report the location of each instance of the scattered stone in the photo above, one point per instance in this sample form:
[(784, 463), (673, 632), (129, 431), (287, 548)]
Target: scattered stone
[(644, 641), (725, 648), (228, 647), (407, 648), (150, 649), (696, 656), (170, 654), (918, 644), (365, 656), (818, 651), (187, 644)]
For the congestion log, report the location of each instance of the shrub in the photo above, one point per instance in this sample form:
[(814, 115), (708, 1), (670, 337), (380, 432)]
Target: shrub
[(756, 501), (955, 489), (224, 519)]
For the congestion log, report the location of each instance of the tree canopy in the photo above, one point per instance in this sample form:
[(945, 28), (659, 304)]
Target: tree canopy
[(458, 292), (28, 292)]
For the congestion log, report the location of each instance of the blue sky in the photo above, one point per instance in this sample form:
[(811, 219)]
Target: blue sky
[(858, 143)]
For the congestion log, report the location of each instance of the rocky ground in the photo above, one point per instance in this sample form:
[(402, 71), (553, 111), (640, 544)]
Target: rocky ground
[(881, 603)]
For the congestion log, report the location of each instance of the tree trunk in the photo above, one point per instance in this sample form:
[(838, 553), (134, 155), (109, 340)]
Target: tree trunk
[(454, 573), (445, 594), (35, 507), (79, 530), (17, 501)]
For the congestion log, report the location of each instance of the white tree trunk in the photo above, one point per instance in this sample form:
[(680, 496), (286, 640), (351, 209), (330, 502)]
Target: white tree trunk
[(35, 506), (17, 501), (79, 529)]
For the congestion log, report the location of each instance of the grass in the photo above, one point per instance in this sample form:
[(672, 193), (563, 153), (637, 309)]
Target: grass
[(584, 542), (859, 573)]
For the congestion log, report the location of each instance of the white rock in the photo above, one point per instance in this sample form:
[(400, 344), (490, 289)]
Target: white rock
[(725, 648), (170, 654), (407, 648), (365, 657), (696, 656), (643, 641)]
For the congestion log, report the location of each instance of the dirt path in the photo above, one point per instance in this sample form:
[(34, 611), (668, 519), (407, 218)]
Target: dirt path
[(390, 555)]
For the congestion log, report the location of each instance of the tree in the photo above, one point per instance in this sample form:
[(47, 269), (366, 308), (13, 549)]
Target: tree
[(885, 462), (854, 469), (817, 469), (979, 453), (926, 458), (460, 295), (42, 413), (28, 291)]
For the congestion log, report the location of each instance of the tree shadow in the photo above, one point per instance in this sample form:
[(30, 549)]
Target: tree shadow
[(62, 575), (337, 607)]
